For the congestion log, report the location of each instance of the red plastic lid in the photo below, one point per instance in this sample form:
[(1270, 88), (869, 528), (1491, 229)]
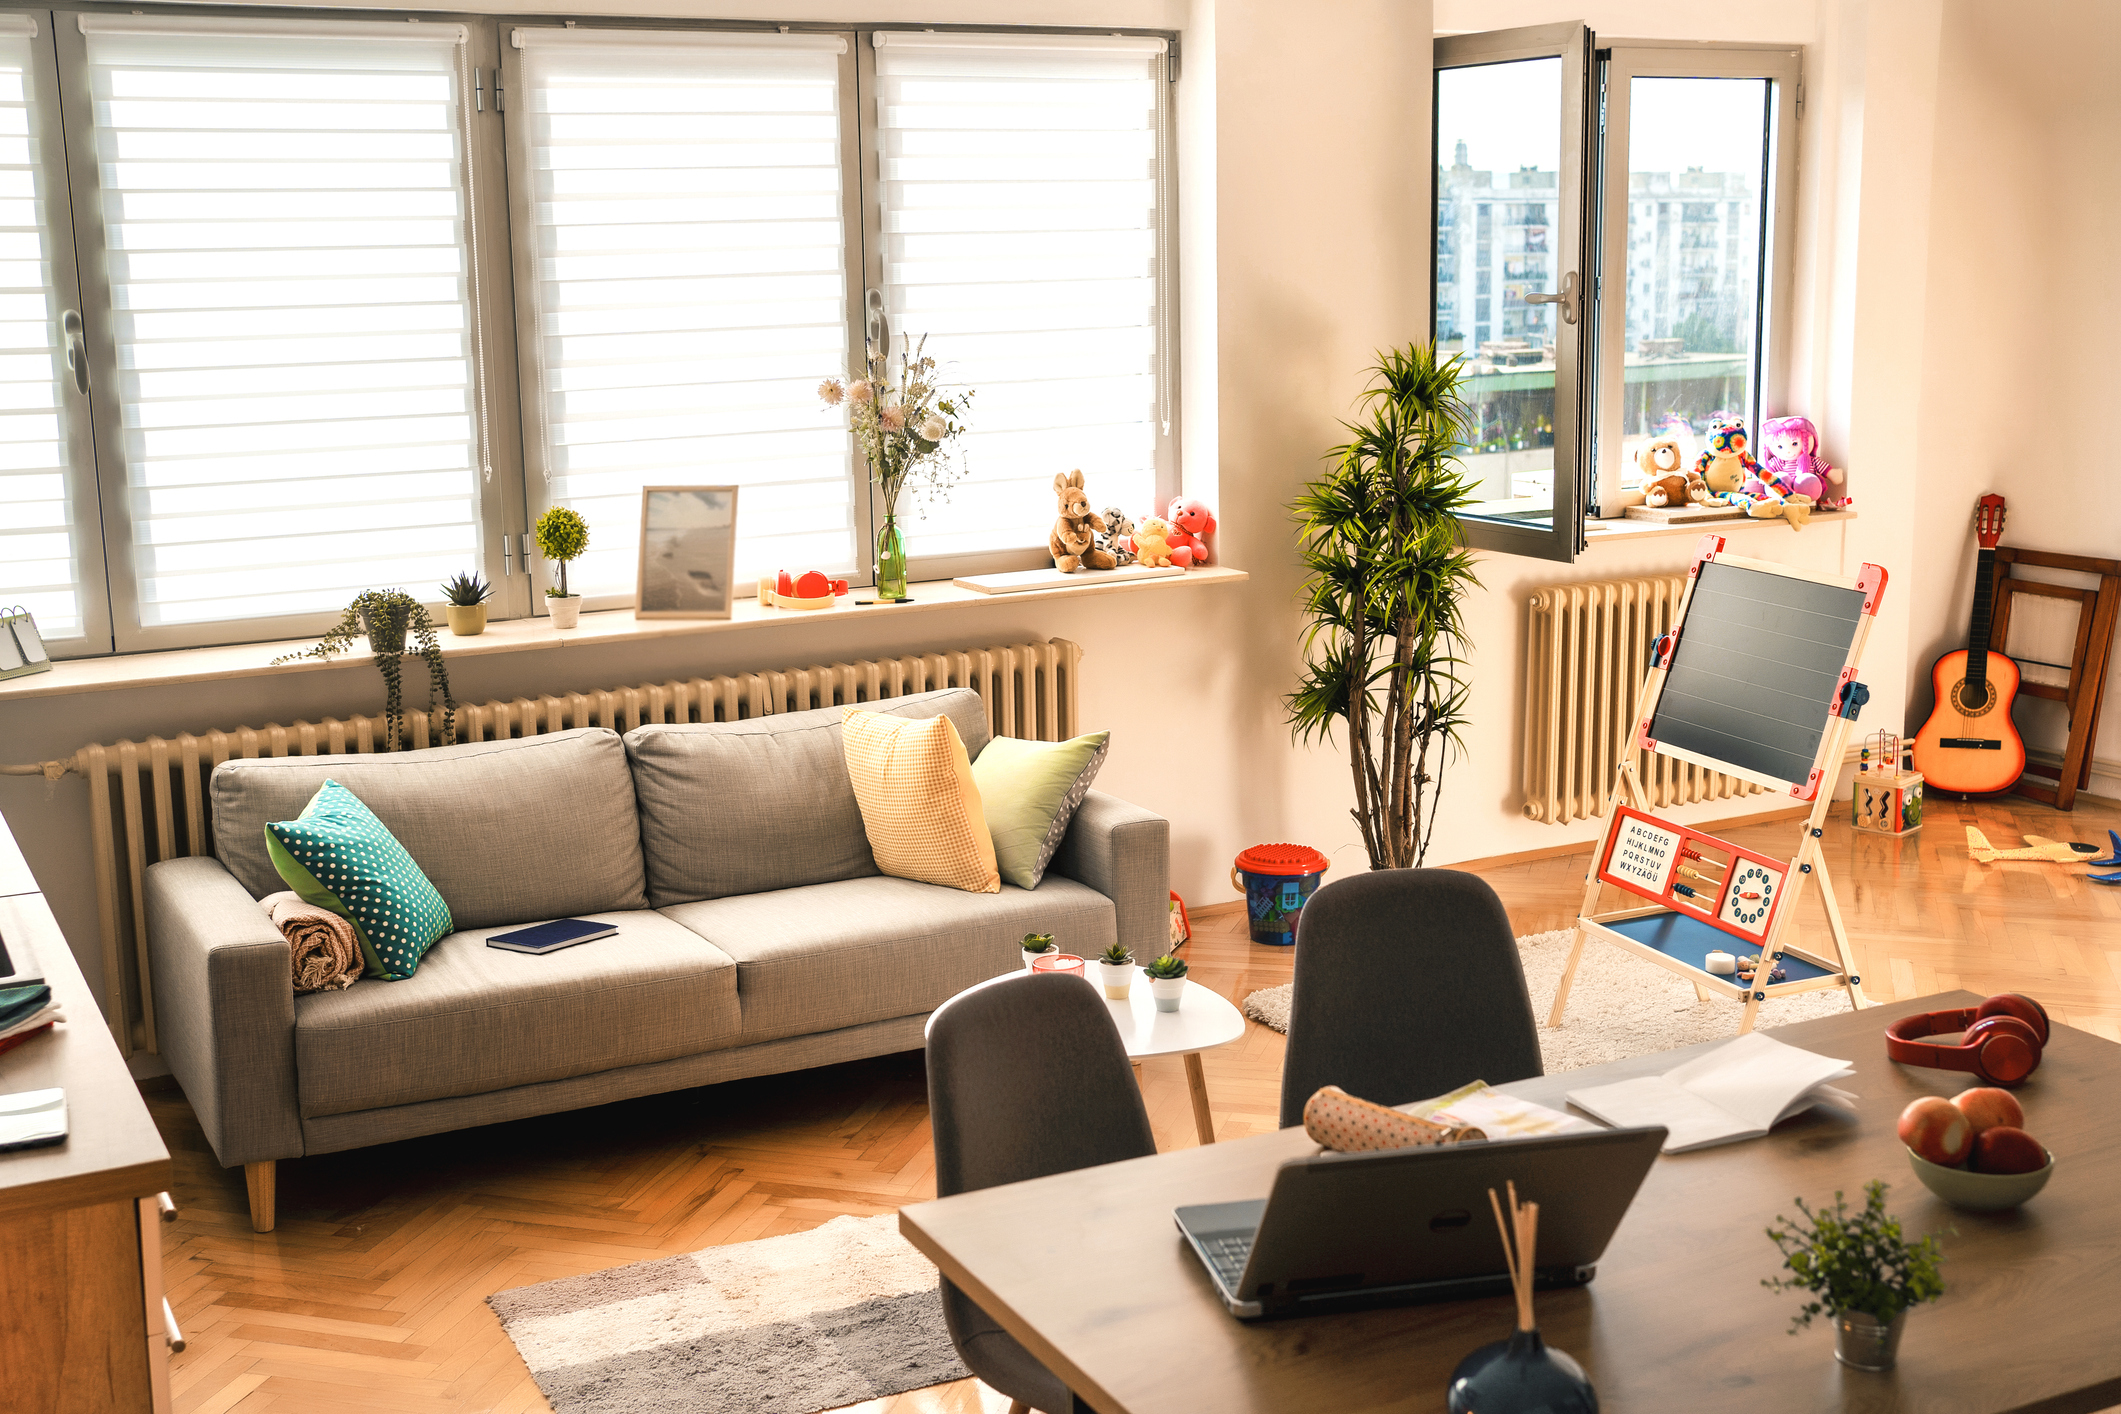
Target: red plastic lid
[(1283, 859)]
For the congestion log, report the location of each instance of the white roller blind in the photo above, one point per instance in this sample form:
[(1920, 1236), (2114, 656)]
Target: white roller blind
[(1019, 215), (40, 536), (689, 285), (284, 219)]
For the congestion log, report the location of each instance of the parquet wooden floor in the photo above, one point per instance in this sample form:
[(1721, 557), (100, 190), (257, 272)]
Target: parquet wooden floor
[(370, 1296)]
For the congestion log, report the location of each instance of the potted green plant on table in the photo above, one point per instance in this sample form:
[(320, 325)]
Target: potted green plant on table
[(1167, 981), (385, 617), (1115, 968), (1387, 572), (562, 535), (1861, 1271), (1036, 946), (466, 596)]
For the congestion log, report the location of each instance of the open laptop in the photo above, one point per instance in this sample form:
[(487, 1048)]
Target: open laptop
[(1343, 1231)]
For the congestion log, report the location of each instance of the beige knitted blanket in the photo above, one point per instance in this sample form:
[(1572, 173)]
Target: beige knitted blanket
[(320, 943)]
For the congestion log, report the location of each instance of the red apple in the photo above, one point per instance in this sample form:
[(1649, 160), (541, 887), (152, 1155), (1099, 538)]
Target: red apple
[(1935, 1128), (2007, 1149), (812, 586), (1987, 1108), (786, 585)]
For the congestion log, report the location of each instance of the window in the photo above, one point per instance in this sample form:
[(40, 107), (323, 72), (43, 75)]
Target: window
[(1645, 298), (357, 299)]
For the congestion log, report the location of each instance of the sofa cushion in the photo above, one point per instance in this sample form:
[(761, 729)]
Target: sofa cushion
[(543, 827), (860, 950), (764, 803), (337, 856), (920, 809), (475, 1019)]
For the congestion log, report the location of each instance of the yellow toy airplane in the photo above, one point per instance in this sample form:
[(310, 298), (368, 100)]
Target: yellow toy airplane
[(2044, 851)]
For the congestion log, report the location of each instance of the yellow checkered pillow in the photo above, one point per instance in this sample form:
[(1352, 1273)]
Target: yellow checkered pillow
[(920, 808)]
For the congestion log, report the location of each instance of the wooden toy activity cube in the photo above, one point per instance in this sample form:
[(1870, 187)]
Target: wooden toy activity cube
[(1756, 679)]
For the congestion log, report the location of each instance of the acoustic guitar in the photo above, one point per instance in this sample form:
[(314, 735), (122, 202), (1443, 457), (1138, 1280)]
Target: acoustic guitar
[(1969, 745)]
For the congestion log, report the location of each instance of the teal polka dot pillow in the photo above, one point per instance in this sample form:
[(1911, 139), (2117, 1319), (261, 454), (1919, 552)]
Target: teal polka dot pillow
[(337, 855)]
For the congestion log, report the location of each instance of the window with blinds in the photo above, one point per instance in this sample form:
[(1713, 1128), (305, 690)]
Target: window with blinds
[(685, 277), (1020, 178), (46, 550), (282, 217)]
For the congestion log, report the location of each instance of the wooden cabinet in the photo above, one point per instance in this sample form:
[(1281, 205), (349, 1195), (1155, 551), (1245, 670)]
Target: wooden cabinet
[(82, 1318)]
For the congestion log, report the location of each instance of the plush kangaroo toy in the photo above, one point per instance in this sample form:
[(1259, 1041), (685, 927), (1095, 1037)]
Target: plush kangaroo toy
[(1073, 541)]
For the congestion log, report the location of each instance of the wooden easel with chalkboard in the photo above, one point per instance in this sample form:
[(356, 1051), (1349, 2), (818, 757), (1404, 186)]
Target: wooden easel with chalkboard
[(1756, 679)]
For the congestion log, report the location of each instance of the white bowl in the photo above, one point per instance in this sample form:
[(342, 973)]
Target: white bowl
[(1980, 1192)]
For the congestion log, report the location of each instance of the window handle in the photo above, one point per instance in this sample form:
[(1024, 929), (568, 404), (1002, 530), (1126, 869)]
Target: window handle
[(1566, 298), (76, 348)]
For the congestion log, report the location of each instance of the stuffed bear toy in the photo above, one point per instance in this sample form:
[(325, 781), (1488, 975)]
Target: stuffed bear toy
[(1073, 540), (1150, 545), (1664, 484), (1726, 466), (1191, 525), (1115, 539)]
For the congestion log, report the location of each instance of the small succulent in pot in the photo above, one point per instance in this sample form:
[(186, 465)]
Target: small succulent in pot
[(1167, 981), (1038, 945), (1115, 967), (465, 606)]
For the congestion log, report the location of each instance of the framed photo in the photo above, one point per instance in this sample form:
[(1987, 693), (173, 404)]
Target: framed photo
[(688, 552)]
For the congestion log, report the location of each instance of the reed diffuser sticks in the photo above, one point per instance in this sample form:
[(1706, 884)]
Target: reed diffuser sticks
[(1523, 1224)]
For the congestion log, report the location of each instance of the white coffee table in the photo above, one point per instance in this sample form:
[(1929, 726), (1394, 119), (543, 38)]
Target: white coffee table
[(1203, 1021)]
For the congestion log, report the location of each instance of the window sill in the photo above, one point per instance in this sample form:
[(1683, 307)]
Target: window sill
[(1607, 532), (134, 670)]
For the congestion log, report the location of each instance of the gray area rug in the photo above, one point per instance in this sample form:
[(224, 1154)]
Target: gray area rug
[(1619, 1005), (785, 1325)]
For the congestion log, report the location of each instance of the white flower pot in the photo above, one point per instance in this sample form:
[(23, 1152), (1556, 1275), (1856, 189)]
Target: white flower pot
[(1118, 979), (1167, 991), (1031, 957), (566, 613)]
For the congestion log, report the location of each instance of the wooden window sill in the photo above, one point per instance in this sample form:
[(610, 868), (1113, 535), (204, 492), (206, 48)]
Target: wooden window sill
[(1608, 532), (134, 670)]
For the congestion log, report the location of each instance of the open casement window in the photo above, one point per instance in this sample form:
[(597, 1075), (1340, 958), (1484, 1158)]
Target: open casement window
[(1513, 292), (681, 204), (1698, 218), (275, 225), (1021, 231)]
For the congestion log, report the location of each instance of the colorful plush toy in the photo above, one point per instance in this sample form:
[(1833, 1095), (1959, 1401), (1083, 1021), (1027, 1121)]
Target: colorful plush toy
[(1794, 464), (1191, 525), (1073, 541), (1151, 547), (1116, 538), (1726, 466)]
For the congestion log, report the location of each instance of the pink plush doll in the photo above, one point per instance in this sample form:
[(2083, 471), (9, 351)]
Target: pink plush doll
[(1794, 466), (1191, 525)]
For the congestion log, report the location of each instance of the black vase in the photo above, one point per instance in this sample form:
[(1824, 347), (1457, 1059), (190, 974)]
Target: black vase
[(1520, 1376)]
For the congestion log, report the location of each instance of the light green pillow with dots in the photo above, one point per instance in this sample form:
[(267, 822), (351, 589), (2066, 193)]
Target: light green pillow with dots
[(337, 855)]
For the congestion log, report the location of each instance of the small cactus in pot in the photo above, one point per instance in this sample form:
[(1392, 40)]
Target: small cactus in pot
[(1115, 968), (1036, 946), (1167, 981), (465, 597)]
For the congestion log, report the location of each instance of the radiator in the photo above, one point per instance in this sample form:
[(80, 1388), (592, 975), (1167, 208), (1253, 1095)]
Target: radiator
[(148, 799), (1587, 651)]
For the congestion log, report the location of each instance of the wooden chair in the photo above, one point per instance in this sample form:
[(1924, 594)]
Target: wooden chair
[(2082, 678)]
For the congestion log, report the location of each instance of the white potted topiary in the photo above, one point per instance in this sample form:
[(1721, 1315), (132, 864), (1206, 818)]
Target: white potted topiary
[(1036, 946), (562, 535), (1115, 968), (1167, 981)]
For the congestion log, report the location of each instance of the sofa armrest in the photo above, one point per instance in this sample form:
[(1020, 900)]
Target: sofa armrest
[(1124, 852), (224, 1008)]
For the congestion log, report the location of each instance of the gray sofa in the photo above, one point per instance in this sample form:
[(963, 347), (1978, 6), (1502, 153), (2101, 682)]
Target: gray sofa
[(755, 933)]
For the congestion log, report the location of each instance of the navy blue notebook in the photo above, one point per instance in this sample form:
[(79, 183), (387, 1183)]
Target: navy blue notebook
[(551, 937)]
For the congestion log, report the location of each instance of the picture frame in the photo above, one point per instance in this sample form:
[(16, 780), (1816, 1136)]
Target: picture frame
[(687, 562)]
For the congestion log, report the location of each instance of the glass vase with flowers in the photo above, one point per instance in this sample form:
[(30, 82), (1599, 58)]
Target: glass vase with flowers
[(904, 422)]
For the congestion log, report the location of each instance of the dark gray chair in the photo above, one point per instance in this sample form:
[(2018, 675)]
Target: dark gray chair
[(1026, 1077), (1408, 984)]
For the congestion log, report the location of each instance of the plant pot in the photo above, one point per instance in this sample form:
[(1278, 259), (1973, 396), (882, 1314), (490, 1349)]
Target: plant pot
[(1863, 1342), (466, 620), (1521, 1375), (1167, 991), (1031, 958), (1118, 979), (386, 638), (566, 613)]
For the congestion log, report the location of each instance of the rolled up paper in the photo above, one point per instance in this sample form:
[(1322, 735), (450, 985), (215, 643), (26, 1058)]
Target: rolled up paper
[(1347, 1124), (1722, 964)]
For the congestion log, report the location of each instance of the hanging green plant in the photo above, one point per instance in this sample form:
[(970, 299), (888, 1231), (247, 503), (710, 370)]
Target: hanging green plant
[(386, 617)]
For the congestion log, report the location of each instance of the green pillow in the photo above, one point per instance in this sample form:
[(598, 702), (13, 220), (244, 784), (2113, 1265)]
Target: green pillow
[(1030, 790), (337, 855)]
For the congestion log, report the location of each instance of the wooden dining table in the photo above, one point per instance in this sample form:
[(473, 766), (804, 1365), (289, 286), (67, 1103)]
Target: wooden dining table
[(1088, 1270)]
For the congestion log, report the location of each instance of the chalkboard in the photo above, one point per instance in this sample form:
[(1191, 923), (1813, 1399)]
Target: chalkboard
[(1752, 676)]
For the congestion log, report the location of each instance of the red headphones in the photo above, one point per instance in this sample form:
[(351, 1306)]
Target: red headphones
[(2001, 1044)]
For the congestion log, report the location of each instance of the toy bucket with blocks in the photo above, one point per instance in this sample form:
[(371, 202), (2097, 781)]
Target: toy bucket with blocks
[(1276, 880)]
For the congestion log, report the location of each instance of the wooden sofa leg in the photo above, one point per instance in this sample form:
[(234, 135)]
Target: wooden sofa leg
[(259, 1179)]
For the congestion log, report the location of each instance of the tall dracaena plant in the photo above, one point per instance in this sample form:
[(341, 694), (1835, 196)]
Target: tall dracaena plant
[(1387, 576)]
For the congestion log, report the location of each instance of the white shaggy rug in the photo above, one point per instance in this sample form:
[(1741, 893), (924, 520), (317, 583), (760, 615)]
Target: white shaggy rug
[(1619, 1005)]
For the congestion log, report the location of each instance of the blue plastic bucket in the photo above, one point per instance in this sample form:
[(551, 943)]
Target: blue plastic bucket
[(1277, 880)]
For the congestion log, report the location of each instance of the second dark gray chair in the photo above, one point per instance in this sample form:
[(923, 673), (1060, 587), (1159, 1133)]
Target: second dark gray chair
[(1026, 1077), (1408, 985)]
